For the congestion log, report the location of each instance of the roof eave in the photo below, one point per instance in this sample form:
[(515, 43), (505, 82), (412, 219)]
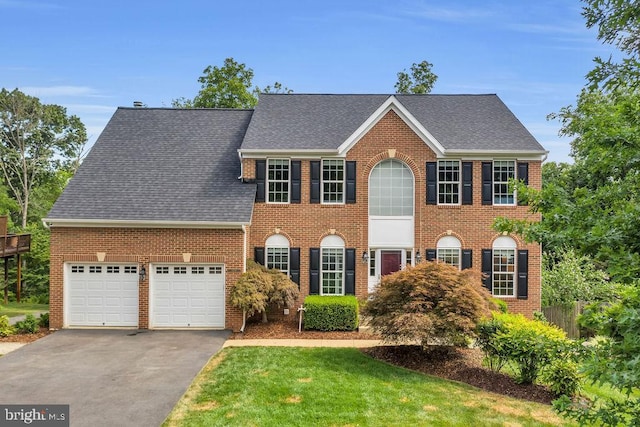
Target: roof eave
[(255, 153), (117, 223), (491, 154)]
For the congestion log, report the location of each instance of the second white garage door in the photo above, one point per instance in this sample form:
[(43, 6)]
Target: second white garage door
[(187, 296)]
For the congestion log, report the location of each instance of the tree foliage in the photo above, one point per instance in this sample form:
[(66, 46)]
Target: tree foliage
[(228, 86), (258, 288), (429, 301), (593, 205), (618, 24), (36, 140), (614, 361), (568, 277), (420, 79)]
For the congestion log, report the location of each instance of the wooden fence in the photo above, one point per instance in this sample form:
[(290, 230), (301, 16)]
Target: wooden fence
[(564, 318)]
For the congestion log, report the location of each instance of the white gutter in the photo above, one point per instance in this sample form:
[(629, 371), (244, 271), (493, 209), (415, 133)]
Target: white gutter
[(64, 222)]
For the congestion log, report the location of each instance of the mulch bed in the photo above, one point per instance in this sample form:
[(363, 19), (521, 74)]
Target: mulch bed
[(457, 364), (26, 338)]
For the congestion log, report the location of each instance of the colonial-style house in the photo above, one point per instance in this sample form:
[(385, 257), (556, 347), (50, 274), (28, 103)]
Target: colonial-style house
[(334, 190)]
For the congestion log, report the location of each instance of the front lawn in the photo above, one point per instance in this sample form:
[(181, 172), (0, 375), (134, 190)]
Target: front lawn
[(275, 386), (14, 309)]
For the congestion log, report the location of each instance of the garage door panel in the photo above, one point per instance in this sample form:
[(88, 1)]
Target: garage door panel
[(100, 295), (185, 297)]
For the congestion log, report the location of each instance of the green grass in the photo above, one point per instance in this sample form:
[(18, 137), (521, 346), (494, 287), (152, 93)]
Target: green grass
[(14, 309), (278, 386)]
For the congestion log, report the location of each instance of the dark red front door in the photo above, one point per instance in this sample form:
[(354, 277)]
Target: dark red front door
[(391, 261)]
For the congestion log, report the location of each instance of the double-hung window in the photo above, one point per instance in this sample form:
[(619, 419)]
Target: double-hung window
[(503, 171), (332, 266), (278, 180), (448, 182), (277, 253), (504, 267), (448, 250), (333, 181)]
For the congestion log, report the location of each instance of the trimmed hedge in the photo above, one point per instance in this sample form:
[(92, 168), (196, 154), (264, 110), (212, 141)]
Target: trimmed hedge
[(331, 313)]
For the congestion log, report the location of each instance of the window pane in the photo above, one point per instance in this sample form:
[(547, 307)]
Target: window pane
[(503, 171), (448, 181), (391, 189), (278, 259), (278, 179), (450, 256), (504, 272), (332, 271)]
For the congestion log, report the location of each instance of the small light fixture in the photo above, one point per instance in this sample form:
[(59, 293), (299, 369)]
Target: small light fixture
[(418, 257), (143, 273), (365, 257)]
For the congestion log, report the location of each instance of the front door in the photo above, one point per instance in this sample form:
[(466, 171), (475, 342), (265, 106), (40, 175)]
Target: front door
[(391, 261)]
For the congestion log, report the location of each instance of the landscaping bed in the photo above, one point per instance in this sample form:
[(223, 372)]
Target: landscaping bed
[(26, 338), (288, 329)]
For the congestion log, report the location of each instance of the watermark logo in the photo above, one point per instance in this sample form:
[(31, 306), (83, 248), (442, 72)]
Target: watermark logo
[(34, 415)]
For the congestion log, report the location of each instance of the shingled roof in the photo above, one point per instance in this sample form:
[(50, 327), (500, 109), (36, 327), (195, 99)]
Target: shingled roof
[(323, 122), (162, 165)]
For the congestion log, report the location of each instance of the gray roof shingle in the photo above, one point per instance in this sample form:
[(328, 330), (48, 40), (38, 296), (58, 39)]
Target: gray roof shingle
[(157, 164), (324, 122)]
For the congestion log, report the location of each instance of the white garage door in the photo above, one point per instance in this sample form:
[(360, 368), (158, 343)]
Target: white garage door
[(187, 296), (102, 295)]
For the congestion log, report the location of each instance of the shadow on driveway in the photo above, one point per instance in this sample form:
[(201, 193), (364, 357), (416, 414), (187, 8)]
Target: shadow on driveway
[(108, 377)]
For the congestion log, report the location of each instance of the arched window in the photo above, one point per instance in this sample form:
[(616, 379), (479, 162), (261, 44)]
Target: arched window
[(277, 248), (449, 248), (504, 266), (391, 189), (332, 266)]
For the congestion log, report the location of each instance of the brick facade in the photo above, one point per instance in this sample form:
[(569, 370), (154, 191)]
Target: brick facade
[(306, 224), (142, 246)]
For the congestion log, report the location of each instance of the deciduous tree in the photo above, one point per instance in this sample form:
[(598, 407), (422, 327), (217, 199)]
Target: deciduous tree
[(420, 79)]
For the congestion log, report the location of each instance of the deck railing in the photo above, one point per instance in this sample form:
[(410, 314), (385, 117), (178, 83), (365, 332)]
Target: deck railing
[(14, 244)]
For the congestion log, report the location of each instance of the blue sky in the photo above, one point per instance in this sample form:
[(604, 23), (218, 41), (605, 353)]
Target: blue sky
[(93, 56)]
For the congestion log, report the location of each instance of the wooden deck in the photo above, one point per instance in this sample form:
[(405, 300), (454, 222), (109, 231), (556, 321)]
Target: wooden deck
[(14, 244)]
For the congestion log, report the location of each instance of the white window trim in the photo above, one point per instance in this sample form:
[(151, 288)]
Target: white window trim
[(493, 182), (344, 182), (277, 241), (459, 182), (505, 243), (450, 243), (332, 242), (267, 181)]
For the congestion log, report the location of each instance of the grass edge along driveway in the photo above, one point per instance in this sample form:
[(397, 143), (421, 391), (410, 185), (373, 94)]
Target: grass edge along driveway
[(276, 386)]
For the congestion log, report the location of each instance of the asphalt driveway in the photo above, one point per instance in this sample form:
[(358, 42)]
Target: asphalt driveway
[(108, 377)]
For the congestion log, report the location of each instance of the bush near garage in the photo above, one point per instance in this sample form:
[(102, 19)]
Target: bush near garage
[(30, 325), (331, 313), (6, 328)]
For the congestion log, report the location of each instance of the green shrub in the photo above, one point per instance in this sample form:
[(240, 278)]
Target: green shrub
[(502, 305), (562, 377), (431, 302), (331, 313), (44, 320), (485, 333), (30, 325), (529, 344), (5, 328)]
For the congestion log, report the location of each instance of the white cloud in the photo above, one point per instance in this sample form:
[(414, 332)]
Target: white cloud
[(59, 91)]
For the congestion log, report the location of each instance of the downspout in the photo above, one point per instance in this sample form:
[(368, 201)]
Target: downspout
[(47, 226), (241, 166), (244, 269)]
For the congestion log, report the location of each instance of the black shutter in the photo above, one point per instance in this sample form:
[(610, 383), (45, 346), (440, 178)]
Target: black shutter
[(258, 255), (351, 181), (467, 183), (487, 183), (467, 259), (261, 175), (350, 271), (432, 182), (314, 167), (487, 268), (523, 274), (314, 271), (523, 175), (430, 254), (295, 181), (294, 265)]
